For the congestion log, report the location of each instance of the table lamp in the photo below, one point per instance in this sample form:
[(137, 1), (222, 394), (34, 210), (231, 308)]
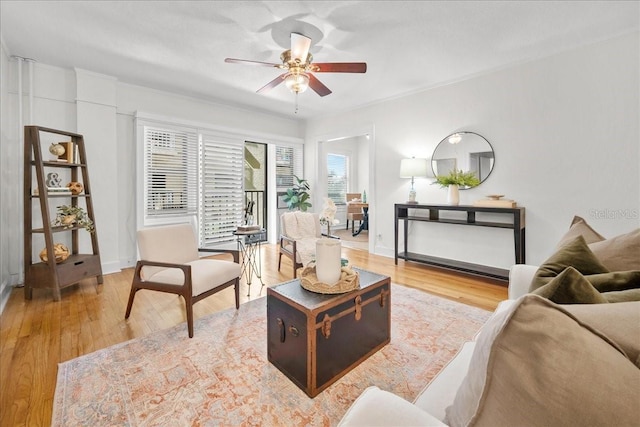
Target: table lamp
[(413, 168)]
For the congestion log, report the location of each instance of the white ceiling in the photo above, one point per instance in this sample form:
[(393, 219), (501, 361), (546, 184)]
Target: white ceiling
[(408, 45)]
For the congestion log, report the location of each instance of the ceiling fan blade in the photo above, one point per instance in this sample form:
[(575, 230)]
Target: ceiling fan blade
[(318, 86), (340, 67), (273, 83), (245, 61), (300, 47)]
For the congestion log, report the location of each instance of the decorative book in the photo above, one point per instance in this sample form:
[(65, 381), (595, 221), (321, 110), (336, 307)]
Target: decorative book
[(493, 203)]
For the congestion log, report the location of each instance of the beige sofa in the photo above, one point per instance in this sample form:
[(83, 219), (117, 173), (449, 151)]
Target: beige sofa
[(528, 366)]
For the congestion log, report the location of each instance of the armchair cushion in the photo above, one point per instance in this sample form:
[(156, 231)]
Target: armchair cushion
[(159, 244), (205, 274), (300, 225)]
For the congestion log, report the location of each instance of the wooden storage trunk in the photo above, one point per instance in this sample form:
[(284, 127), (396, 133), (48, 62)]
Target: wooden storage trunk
[(315, 339)]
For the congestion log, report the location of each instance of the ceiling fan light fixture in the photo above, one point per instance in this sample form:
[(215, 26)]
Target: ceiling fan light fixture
[(297, 82)]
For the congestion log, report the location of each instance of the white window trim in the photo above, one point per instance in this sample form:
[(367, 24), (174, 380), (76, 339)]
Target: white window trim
[(142, 118)]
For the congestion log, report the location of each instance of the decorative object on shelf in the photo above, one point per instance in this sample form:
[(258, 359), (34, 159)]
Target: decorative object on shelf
[(348, 281), (328, 261), (60, 253), (364, 196), (453, 195), (56, 149), (453, 181), (75, 187), (494, 201), (297, 197), (53, 179), (413, 168), (328, 215), (73, 216), (495, 196)]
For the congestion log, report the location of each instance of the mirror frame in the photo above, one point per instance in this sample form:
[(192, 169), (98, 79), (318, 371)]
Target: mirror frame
[(462, 133)]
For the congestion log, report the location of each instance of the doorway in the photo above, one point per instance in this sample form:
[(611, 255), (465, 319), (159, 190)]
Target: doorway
[(345, 165)]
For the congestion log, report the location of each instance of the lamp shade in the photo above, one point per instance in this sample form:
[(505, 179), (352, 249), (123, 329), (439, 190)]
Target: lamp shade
[(410, 168)]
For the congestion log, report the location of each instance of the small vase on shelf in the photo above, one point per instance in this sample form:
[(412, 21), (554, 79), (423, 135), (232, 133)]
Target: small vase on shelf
[(453, 195)]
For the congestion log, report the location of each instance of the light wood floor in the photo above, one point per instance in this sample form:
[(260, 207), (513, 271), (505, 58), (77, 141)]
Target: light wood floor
[(36, 335)]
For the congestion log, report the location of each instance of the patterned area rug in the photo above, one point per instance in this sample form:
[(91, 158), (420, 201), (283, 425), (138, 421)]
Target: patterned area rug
[(222, 375)]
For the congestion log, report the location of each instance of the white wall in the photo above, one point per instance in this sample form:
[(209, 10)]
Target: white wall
[(565, 130), (10, 197), (102, 109)]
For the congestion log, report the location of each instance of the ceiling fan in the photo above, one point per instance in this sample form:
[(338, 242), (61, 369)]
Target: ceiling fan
[(299, 67)]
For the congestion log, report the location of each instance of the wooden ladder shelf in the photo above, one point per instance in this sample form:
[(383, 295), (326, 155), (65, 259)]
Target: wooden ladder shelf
[(78, 266)]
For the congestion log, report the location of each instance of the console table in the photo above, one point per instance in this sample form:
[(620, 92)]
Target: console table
[(516, 223)]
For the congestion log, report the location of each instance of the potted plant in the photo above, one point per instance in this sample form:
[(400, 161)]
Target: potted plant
[(72, 216), (298, 196), (454, 180)]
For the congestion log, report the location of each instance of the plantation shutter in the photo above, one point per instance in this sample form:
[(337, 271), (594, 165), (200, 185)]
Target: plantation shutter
[(288, 164), (337, 177), (221, 191), (171, 178)]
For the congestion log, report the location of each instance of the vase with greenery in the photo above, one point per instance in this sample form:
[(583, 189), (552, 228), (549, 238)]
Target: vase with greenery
[(72, 216), (453, 181), (297, 198)]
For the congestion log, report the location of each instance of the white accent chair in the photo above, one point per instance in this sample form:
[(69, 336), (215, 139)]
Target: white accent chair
[(298, 234), (170, 262)]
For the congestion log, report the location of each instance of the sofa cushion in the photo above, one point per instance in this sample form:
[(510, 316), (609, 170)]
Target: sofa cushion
[(579, 227), (375, 407), (536, 364), (619, 322), (570, 287), (619, 253), (574, 254)]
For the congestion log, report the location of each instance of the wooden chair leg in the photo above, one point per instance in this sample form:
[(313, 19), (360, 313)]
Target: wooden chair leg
[(237, 291), (189, 307), (347, 227), (132, 295)]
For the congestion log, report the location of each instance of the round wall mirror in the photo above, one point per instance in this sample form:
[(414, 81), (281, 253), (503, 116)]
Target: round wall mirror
[(466, 151)]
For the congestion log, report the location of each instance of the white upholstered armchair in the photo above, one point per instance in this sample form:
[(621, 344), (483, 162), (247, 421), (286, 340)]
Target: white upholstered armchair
[(170, 262), (298, 234)]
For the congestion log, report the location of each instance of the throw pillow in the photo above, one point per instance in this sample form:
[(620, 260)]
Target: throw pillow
[(574, 254), (622, 296), (619, 322), (619, 253), (579, 227), (615, 280), (570, 287), (538, 365)]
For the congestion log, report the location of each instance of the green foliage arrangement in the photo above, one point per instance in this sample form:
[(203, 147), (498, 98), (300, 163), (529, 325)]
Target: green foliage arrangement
[(298, 196), (459, 178), (73, 216)]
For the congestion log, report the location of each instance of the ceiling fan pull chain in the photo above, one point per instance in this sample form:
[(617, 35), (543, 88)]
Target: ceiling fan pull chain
[(296, 110)]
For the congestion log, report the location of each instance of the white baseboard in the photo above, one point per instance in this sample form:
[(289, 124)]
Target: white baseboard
[(110, 267), (384, 251)]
